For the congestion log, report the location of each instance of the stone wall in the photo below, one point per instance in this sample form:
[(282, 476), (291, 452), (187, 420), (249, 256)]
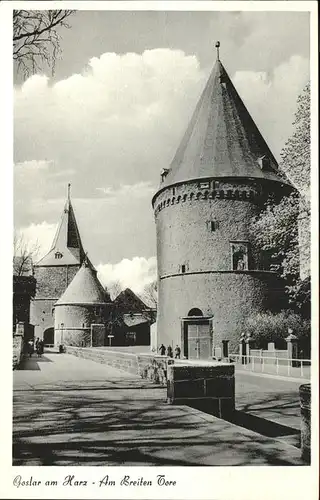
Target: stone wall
[(153, 367), (17, 351), (122, 361), (227, 297), (199, 384)]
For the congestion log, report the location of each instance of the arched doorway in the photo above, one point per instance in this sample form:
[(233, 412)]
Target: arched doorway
[(196, 335), (195, 312), (48, 336)]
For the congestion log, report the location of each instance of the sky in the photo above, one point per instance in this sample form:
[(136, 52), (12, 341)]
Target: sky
[(116, 108)]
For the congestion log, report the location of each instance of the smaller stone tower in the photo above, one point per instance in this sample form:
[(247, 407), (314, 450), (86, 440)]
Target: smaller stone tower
[(55, 271), (81, 313)]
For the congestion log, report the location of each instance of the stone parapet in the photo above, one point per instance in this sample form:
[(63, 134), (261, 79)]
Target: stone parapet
[(153, 367), (120, 360), (212, 385), (17, 351)]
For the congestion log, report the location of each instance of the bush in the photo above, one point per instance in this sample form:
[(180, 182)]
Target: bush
[(269, 327)]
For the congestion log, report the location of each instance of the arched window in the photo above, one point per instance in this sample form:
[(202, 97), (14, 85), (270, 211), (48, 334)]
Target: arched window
[(195, 312)]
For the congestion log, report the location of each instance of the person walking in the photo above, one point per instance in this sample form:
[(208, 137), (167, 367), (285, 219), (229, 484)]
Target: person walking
[(169, 351), (177, 352), (162, 350), (30, 348)]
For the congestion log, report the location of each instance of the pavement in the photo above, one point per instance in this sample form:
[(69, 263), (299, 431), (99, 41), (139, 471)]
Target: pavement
[(72, 411)]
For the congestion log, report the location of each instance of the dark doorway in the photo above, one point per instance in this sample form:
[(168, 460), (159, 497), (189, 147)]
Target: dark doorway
[(48, 336)]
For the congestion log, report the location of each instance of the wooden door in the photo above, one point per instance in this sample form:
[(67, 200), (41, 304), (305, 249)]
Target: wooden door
[(199, 340)]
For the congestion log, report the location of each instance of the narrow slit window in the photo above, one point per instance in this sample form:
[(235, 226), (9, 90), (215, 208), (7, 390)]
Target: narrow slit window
[(183, 268)]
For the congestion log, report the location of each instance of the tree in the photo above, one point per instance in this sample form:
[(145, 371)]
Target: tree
[(295, 156), (24, 255), (36, 38), (275, 230), (150, 294), (114, 288)]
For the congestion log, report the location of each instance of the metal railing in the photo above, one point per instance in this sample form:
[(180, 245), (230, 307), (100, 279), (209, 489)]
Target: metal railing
[(273, 365)]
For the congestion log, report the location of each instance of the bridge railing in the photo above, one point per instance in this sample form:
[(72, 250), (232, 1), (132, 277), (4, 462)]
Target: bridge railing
[(291, 367)]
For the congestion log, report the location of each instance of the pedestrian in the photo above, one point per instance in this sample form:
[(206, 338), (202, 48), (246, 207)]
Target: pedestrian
[(30, 348), (177, 352), (169, 351), (37, 342), (162, 350), (40, 348)]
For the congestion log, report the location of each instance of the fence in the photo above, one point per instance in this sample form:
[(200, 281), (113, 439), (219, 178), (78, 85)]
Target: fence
[(289, 367)]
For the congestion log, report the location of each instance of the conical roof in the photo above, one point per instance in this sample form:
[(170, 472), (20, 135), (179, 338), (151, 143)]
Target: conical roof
[(67, 247), (85, 288), (222, 139)]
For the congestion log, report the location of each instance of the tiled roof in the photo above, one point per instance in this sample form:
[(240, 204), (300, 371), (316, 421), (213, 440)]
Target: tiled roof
[(131, 320), (67, 247), (222, 139), (85, 288), (128, 301)]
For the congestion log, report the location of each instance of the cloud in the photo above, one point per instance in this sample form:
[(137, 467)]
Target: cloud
[(112, 128), (130, 273), (40, 236), (271, 101), (139, 190)]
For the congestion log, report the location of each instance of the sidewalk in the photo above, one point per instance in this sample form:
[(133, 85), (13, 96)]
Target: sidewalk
[(71, 411)]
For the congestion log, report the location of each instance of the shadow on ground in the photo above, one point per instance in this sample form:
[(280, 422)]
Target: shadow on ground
[(129, 424)]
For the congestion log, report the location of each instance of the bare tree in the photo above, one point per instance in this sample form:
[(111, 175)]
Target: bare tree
[(36, 38), (114, 289), (24, 255), (150, 294)]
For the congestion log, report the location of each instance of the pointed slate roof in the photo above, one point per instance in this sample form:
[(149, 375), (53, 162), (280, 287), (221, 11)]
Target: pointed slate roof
[(67, 241), (222, 139), (85, 288)]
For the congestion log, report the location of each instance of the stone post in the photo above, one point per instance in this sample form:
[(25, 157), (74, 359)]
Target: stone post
[(305, 405), (225, 348), (292, 347), (249, 342), (243, 348)]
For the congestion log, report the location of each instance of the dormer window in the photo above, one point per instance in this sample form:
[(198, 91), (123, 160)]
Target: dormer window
[(264, 162), (58, 255), (164, 174), (223, 81)]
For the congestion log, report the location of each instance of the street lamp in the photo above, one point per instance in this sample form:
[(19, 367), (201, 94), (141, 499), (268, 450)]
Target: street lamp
[(61, 339)]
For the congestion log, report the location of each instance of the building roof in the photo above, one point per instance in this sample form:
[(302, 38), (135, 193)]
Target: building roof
[(131, 320), (222, 139), (67, 247), (85, 288), (129, 302)]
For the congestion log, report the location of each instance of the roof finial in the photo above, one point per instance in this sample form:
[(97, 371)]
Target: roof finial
[(217, 47), (69, 189)]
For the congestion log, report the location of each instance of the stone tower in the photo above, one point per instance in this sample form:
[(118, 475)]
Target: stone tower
[(55, 271), (210, 276), (81, 313)]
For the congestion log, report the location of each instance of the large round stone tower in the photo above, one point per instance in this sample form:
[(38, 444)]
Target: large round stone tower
[(210, 276)]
